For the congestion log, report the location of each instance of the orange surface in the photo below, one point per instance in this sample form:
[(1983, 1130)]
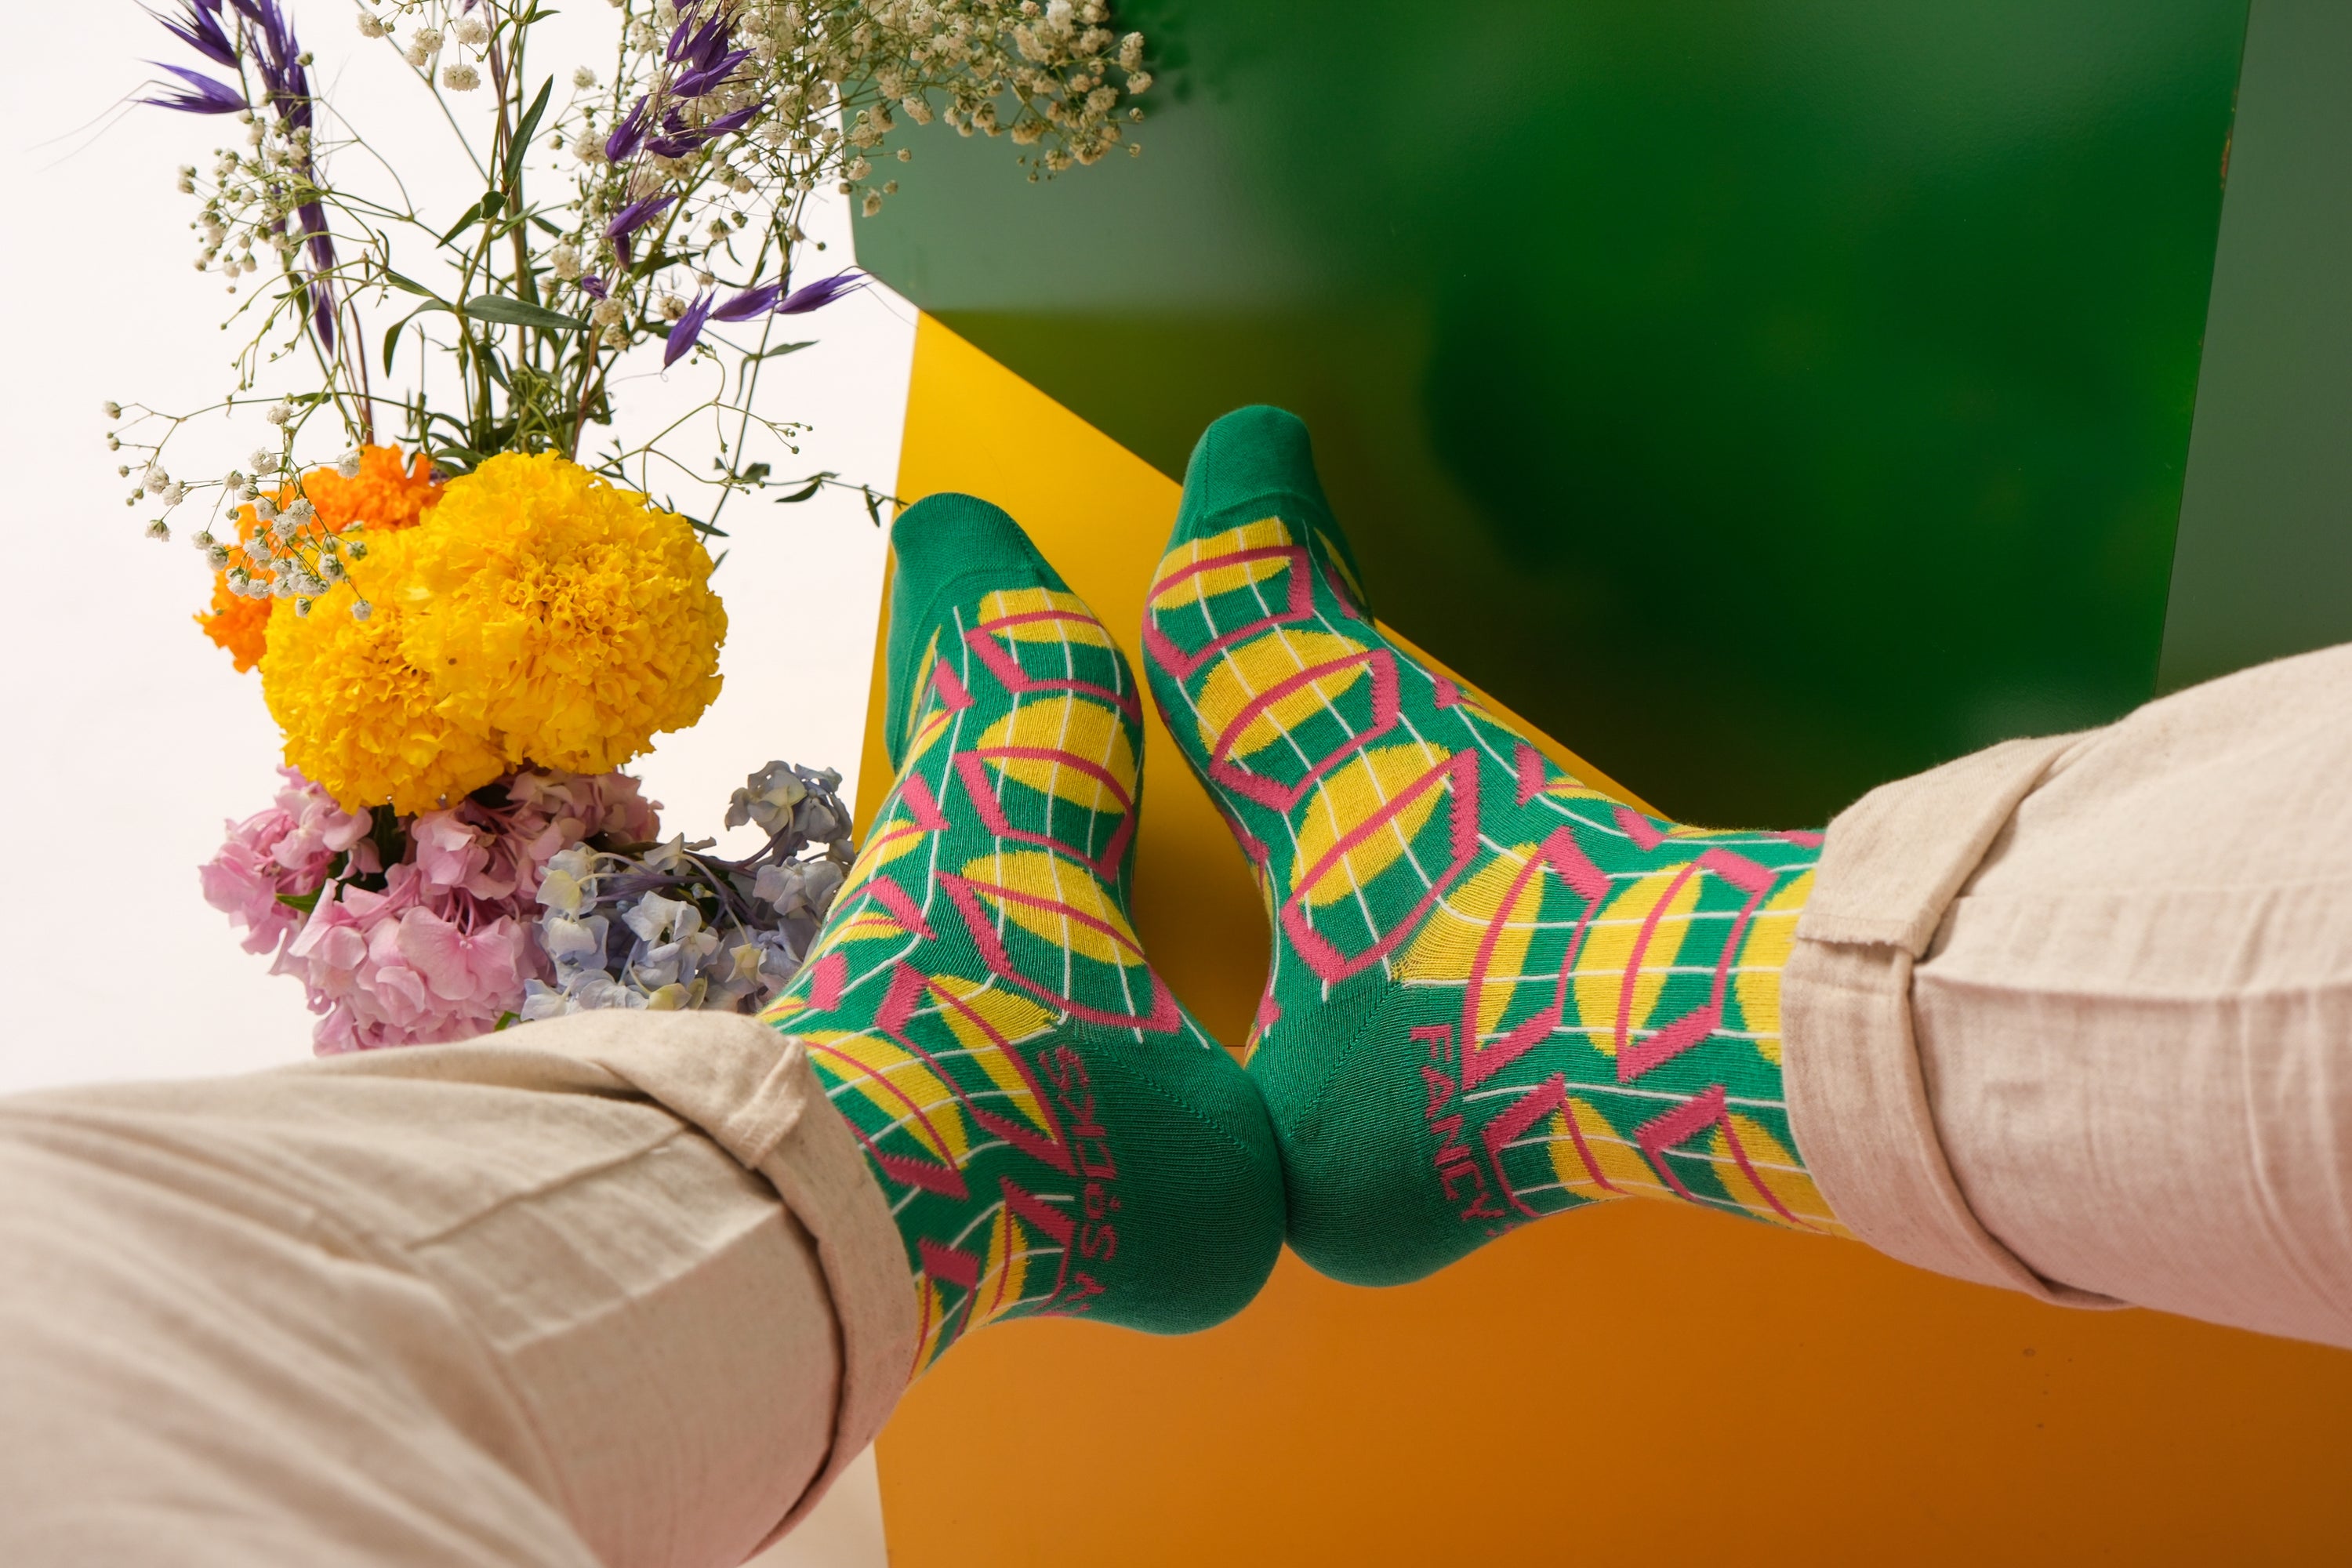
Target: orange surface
[(1643, 1382)]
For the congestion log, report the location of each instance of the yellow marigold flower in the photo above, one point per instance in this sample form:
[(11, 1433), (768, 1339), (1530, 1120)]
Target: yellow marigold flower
[(562, 619), (390, 493), (360, 718)]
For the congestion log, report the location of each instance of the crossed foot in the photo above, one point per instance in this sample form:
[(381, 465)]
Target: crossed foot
[(1495, 994)]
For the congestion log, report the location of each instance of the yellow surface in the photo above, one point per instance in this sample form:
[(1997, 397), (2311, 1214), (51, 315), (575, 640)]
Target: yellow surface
[(1641, 1383)]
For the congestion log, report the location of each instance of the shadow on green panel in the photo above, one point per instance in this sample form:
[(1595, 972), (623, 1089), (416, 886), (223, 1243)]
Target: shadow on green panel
[(1768, 399)]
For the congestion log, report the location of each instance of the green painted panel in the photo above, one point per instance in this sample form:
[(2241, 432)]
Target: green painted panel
[(1768, 398), (2264, 562)]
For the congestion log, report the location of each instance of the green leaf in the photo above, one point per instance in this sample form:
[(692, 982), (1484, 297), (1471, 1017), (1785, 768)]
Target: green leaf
[(506, 1021), (545, 228), (806, 490), (392, 334), (306, 902), (743, 369), (413, 286), (464, 223), (482, 211), (524, 132), (511, 313)]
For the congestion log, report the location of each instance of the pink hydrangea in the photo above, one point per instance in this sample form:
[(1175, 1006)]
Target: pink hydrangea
[(436, 948), (284, 852)]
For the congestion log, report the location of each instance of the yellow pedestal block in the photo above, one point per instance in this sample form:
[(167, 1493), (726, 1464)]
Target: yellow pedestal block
[(1643, 1383)]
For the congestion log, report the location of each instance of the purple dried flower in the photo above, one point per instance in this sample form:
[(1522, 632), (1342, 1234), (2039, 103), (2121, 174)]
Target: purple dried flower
[(686, 329), (705, 45), (823, 292), (685, 29), (314, 230), (635, 216), (752, 302), (694, 84), (626, 134), (202, 32), (272, 22), (726, 123), (755, 303), (593, 287), (209, 97)]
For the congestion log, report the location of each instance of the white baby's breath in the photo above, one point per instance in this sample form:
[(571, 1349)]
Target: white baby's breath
[(680, 177)]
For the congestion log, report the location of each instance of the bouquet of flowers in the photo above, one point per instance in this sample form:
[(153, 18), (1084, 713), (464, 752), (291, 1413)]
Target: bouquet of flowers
[(467, 621)]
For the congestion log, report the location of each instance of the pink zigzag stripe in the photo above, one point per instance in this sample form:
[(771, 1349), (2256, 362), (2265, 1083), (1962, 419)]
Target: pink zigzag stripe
[(1327, 962), (908, 986), (1381, 666), (1707, 1109), (886, 891), (1162, 649), (1641, 950), (922, 805), (1006, 666), (1559, 852), (1635, 1058), (966, 894), (1584, 1151), (1046, 1217), (1530, 1108), (826, 982), (952, 695), (991, 811), (931, 1176), (1530, 765), (1644, 833), (953, 1266)]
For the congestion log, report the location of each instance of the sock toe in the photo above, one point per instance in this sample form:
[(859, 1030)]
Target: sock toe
[(1261, 459), (946, 545), (1248, 455)]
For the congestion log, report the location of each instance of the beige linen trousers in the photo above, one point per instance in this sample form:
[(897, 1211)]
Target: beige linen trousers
[(2070, 1016)]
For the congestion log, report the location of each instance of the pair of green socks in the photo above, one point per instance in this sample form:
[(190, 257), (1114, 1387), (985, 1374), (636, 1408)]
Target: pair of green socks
[(1494, 994)]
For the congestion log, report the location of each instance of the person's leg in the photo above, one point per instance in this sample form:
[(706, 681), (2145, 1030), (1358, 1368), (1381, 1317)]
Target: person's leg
[(492, 1303), (1056, 1133), (535, 1300), (2129, 1037), (1495, 995)]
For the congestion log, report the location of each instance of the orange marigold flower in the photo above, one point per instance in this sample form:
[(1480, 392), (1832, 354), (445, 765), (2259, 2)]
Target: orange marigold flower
[(390, 492), (237, 623)]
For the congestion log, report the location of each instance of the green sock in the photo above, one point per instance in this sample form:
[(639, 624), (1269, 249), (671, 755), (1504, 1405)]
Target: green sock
[(1495, 994), (1055, 1134)]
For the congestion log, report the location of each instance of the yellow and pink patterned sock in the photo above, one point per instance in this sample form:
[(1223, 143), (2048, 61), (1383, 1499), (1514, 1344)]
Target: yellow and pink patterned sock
[(1495, 994), (1055, 1133)]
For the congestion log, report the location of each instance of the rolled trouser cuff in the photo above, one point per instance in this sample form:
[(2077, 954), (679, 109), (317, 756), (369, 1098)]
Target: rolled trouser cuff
[(752, 1090), (1858, 1102)]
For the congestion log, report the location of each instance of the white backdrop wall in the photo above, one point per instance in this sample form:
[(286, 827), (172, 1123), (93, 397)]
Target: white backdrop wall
[(129, 738)]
